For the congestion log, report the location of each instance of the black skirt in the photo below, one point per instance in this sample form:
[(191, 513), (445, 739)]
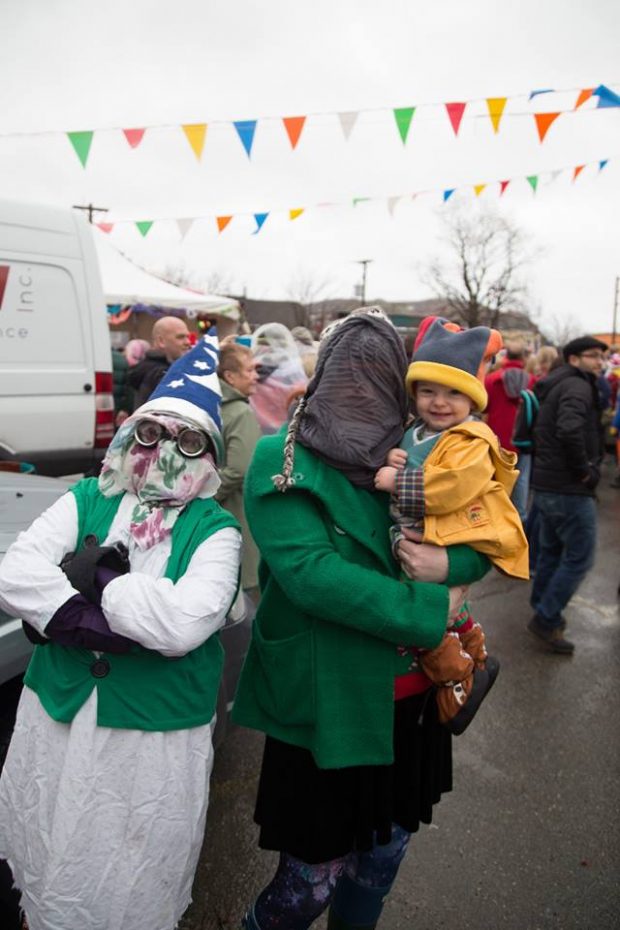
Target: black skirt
[(323, 814)]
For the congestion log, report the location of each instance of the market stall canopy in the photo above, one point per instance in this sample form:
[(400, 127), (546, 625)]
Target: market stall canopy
[(127, 285)]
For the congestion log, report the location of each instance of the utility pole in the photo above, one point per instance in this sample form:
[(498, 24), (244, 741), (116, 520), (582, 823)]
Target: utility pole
[(90, 209), (364, 262), (615, 319)]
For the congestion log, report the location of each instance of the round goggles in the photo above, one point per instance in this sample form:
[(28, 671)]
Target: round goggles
[(190, 441)]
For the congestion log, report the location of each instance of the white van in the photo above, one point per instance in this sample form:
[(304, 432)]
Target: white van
[(56, 402)]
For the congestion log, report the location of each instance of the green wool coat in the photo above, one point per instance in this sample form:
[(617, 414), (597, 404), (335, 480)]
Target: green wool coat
[(320, 669)]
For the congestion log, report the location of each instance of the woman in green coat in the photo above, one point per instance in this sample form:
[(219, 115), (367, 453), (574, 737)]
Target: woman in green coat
[(354, 756)]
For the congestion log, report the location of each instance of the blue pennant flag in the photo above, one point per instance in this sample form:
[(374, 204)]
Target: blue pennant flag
[(260, 219), (245, 130), (448, 193), (606, 97)]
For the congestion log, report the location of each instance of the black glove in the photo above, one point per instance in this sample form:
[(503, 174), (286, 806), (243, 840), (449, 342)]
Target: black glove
[(81, 567), (593, 477)]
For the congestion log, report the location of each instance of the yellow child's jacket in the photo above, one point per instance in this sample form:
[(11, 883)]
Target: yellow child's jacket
[(468, 479)]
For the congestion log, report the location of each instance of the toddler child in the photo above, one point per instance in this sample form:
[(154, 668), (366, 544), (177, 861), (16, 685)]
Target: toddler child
[(451, 482)]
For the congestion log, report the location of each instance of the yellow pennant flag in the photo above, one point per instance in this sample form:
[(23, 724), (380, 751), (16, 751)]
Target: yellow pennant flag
[(478, 188), (495, 106), (196, 133), (293, 214)]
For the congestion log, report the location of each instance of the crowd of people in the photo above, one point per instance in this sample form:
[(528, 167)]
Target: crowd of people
[(355, 494)]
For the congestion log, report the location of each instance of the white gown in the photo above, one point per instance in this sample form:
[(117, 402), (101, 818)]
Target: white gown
[(103, 827)]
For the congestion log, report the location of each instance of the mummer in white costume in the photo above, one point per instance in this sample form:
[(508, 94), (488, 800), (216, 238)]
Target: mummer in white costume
[(123, 583)]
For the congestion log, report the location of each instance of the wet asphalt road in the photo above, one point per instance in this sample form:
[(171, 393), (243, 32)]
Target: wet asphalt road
[(530, 837)]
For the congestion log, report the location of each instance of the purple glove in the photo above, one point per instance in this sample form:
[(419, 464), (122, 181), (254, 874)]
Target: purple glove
[(80, 623)]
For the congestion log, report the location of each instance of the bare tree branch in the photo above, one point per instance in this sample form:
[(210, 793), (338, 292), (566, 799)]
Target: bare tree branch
[(481, 278)]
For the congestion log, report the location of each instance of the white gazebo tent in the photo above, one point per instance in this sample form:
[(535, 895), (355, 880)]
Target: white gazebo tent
[(127, 285)]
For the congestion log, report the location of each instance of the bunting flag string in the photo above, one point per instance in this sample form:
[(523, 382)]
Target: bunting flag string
[(223, 221), (494, 109)]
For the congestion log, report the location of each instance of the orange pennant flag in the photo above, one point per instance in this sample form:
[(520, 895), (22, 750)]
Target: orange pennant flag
[(577, 171), (196, 133), (222, 222), (495, 106), (293, 214), (293, 126), (478, 188), (584, 95), (543, 122)]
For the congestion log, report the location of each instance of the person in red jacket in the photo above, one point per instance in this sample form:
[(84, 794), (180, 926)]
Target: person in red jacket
[(504, 387)]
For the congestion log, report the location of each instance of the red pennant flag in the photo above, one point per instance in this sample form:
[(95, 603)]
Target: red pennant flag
[(105, 227), (577, 171), (502, 187), (543, 122), (583, 96), (455, 113), (222, 222), (293, 126), (134, 136)]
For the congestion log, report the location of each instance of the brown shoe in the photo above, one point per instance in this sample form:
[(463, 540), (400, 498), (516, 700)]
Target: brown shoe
[(553, 636)]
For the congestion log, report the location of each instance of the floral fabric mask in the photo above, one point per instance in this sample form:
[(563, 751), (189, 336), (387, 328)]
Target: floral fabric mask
[(162, 479)]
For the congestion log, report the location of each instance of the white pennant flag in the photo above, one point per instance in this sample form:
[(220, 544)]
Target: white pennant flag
[(391, 204), (185, 226), (348, 121)]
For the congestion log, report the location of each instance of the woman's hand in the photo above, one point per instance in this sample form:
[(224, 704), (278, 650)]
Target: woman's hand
[(422, 561), (457, 596)]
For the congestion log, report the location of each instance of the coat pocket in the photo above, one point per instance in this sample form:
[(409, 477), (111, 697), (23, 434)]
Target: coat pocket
[(285, 677)]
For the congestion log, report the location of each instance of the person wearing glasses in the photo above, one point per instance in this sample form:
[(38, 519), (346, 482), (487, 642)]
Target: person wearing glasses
[(123, 584), (568, 442)]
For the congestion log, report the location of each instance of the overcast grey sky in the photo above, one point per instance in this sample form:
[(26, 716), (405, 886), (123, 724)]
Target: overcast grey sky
[(71, 65)]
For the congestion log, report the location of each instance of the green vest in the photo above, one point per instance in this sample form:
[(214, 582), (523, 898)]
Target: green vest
[(141, 690)]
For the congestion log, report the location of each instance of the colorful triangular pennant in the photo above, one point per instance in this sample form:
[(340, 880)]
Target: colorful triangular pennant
[(245, 130), (455, 114), (260, 219), (583, 96), (357, 200), (577, 171), (502, 186), (222, 222), (293, 126), (543, 122), (293, 214), (606, 97), (535, 93), (403, 117), (144, 226), (533, 181), (478, 188), (448, 193), (347, 122), (105, 227), (195, 133), (134, 136), (495, 106), (602, 164), (81, 142)]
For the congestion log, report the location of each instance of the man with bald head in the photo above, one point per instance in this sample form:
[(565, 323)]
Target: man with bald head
[(169, 340)]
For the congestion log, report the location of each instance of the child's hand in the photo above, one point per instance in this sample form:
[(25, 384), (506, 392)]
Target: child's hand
[(397, 458), (385, 479), (457, 596)]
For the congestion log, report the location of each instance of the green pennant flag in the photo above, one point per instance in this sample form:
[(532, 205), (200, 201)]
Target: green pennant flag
[(403, 117), (81, 143), (144, 226), (533, 181)]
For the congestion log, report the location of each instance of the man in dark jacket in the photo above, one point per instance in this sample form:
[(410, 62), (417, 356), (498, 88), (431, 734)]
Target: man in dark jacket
[(568, 445), (170, 340)]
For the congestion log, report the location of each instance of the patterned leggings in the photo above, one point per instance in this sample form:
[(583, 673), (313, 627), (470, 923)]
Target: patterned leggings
[(355, 885)]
